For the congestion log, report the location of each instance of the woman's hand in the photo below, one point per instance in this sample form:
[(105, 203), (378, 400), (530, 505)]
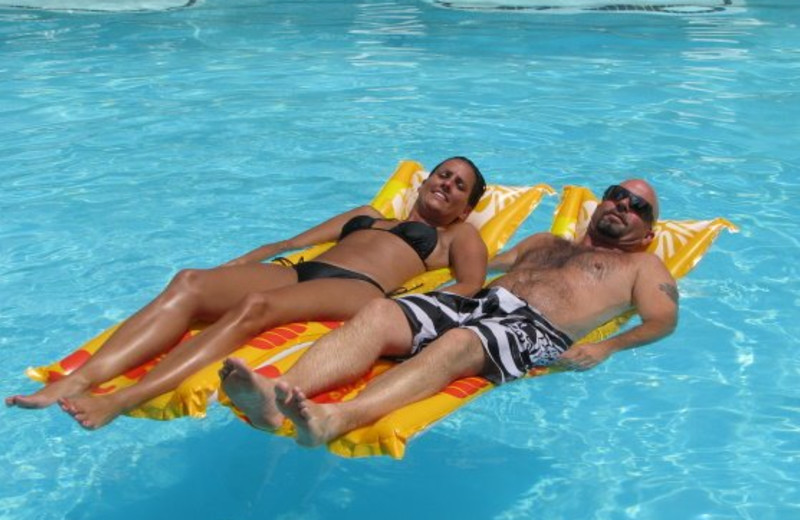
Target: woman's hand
[(258, 254)]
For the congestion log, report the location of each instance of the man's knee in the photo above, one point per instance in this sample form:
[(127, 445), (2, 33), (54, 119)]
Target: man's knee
[(461, 340), (463, 348), (380, 310), (383, 320)]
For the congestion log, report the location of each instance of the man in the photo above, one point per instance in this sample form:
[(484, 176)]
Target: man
[(554, 292)]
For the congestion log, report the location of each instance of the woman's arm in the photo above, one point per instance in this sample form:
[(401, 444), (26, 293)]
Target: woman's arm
[(505, 260), (468, 258), (325, 232)]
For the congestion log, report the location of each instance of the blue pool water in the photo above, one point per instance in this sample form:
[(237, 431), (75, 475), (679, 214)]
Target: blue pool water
[(137, 144)]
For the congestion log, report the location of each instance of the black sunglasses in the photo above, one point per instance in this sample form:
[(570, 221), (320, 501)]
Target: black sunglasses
[(642, 208)]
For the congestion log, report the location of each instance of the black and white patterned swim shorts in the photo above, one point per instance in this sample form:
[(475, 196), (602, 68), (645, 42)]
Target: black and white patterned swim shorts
[(514, 335)]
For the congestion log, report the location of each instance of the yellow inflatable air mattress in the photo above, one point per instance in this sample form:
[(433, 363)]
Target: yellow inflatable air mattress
[(497, 215)]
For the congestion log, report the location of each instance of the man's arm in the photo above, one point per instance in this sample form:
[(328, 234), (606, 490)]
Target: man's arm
[(655, 297), (467, 257)]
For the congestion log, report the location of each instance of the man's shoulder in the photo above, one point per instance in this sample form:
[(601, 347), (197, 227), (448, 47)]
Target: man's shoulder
[(650, 262), (647, 256)]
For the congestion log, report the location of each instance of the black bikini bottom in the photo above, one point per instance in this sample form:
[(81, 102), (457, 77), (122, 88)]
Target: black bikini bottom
[(315, 270)]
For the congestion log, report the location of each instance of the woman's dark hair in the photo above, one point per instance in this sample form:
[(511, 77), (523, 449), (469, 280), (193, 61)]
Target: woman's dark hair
[(480, 183)]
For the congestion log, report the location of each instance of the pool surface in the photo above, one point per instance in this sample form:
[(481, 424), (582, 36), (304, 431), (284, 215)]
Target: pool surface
[(136, 144)]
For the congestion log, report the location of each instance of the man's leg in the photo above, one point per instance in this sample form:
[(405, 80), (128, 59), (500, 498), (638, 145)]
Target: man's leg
[(456, 354), (339, 357)]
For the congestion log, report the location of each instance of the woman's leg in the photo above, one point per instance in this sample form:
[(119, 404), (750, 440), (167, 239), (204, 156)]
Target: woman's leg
[(192, 295), (332, 299)]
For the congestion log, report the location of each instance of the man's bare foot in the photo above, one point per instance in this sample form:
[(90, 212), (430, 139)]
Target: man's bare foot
[(67, 387), (253, 394), (315, 423), (92, 412)]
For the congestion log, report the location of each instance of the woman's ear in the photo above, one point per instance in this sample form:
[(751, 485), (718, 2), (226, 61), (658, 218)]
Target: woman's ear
[(465, 214)]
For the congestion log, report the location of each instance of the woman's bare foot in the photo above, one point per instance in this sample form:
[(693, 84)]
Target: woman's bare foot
[(253, 394), (92, 412), (315, 423), (63, 388)]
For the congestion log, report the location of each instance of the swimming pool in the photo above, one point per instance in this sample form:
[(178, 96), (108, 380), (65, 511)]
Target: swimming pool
[(137, 144)]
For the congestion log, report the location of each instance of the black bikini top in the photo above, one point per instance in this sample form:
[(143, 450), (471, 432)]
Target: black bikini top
[(421, 237)]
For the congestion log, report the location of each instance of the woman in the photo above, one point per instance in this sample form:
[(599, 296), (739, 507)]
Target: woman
[(245, 297)]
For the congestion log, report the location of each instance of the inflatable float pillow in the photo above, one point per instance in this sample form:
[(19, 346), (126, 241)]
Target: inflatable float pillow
[(680, 244), (497, 215)]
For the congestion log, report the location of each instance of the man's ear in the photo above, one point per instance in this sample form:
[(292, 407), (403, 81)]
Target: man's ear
[(648, 238)]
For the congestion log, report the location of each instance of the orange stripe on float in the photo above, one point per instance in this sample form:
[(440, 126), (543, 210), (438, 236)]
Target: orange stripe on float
[(273, 339), (53, 376), (285, 332), (137, 373), (101, 390), (331, 324), (270, 371), (263, 343), (74, 360), (464, 388), (297, 327)]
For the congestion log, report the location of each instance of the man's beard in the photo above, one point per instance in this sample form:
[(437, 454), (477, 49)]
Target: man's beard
[(610, 229)]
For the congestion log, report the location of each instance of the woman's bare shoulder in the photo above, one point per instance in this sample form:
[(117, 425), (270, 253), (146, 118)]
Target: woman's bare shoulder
[(461, 231)]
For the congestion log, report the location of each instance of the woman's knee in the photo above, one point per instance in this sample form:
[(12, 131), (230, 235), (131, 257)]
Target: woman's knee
[(186, 280), (192, 291), (185, 289), (254, 312)]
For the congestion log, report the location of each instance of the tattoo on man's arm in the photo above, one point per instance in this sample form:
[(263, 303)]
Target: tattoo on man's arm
[(671, 291)]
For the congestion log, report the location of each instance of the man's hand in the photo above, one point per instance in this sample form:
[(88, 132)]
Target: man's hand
[(583, 357)]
